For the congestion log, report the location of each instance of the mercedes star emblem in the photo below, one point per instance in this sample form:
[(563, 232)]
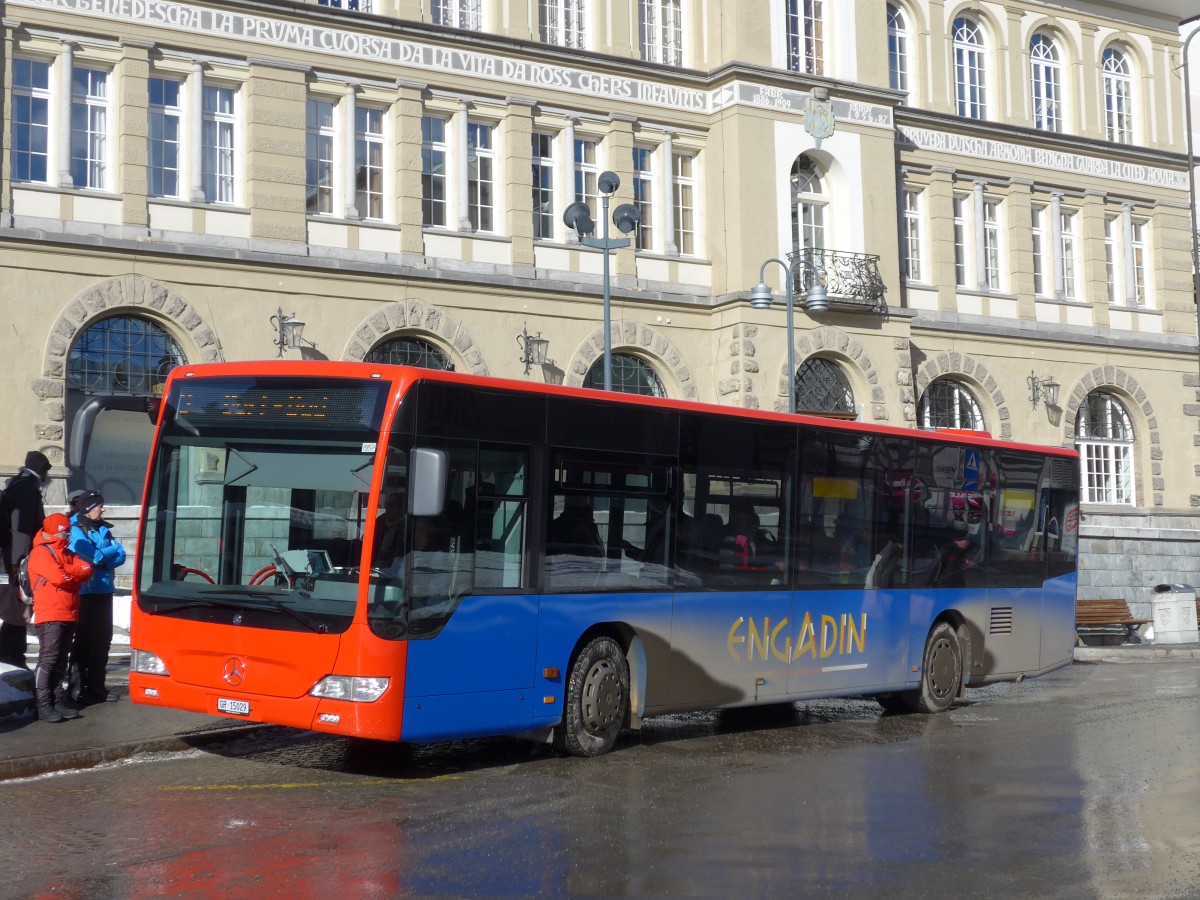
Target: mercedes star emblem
[(234, 671)]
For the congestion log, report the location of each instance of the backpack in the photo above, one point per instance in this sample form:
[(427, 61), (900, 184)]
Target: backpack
[(23, 572)]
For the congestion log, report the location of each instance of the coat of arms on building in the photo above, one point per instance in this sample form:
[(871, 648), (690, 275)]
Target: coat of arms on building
[(818, 115)]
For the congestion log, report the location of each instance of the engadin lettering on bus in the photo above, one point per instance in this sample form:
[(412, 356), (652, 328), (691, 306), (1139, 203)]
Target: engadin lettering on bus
[(762, 640), (373, 48)]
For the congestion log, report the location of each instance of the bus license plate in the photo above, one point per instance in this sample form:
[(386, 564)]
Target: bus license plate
[(233, 707)]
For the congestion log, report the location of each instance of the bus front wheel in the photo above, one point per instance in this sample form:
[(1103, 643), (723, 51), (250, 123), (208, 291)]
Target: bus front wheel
[(597, 700), (941, 672)]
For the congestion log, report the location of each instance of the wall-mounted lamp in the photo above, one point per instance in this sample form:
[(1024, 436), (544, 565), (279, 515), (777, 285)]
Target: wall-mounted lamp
[(1042, 389), (533, 348), (290, 330)]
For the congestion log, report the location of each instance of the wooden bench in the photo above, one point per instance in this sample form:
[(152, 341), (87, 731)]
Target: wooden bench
[(1107, 617)]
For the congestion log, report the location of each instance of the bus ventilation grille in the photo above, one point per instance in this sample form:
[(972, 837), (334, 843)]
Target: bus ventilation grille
[(1001, 621)]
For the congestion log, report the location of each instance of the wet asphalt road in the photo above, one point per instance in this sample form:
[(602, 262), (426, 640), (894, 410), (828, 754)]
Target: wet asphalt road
[(1080, 784)]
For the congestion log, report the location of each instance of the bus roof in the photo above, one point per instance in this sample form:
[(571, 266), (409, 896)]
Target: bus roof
[(405, 376)]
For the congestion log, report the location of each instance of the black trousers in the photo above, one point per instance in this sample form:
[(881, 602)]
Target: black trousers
[(13, 644), (93, 638), (54, 643)]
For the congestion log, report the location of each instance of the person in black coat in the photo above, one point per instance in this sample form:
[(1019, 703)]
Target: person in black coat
[(21, 506)]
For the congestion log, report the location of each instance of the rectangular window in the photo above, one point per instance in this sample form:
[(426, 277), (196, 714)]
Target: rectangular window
[(319, 143), (218, 145), (643, 196), (561, 22), (1039, 265), (1067, 250), (368, 162), (162, 143), (543, 186), (457, 14), (685, 204), (586, 173), (1139, 261), (960, 241), (805, 38), (1107, 472), (355, 5), (433, 172), (661, 30), (89, 128), (30, 120), (991, 243), (1112, 240), (912, 234), (481, 166)]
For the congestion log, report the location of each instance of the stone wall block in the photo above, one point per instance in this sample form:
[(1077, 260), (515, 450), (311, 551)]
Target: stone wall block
[(415, 313), (735, 348), (211, 354), (176, 306), (204, 337), (735, 368), (191, 320), (1156, 453), (879, 412), (751, 366), (63, 328), (48, 388), (364, 335), (689, 391), (158, 296), (968, 367), (727, 387), (44, 432), (904, 377), (57, 346), (673, 358), (54, 411), (433, 320)]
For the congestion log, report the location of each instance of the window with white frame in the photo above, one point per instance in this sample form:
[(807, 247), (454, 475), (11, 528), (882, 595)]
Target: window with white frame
[(1112, 241), (587, 171), (164, 129), (1117, 77), (89, 128), (661, 29), (1137, 237), (1104, 438), (481, 176), (217, 144), (643, 196), (808, 208), (30, 120), (561, 22), (970, 69), (320, 139), (1039, 250), (355, 5), (897, 48), (1125, 259), (433, 172), (947, 403), (912, 234), (1045, 79), (960, 240), (457, 14), (991, 244), (685, 203), (805, 36), (543, 186), (1066, 237), (368, 162)]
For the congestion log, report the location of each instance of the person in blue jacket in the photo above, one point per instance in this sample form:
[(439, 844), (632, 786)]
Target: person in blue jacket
[(92, 540)]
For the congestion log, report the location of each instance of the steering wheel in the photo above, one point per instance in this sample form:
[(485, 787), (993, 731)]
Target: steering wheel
[(183, 571), (261, 576)]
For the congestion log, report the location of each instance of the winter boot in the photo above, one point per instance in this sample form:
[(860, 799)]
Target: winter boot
[(50, 715)]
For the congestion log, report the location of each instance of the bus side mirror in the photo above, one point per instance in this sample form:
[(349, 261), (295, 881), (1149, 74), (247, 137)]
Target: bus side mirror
[(85, 421), (427, 474)]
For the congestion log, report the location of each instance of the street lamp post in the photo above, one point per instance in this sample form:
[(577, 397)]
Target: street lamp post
[(626, 217), (816, 299), (1191, 174)]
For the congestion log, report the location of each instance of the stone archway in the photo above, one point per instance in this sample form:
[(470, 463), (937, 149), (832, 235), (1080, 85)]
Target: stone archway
[(132, 294), (641, 340), (416, 316), (972, 370), (826, 341)]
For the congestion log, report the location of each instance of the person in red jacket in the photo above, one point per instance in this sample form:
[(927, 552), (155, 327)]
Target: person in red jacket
[(56, 576)]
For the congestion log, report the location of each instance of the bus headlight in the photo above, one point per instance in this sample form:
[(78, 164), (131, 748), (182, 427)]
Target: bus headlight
[(147, 663), (346, 687)]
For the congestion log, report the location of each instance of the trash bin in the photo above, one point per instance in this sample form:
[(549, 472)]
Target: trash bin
[(1175, 614)]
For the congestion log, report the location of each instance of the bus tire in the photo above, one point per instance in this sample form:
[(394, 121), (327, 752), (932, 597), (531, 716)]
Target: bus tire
[(941, 671), (597, 700)]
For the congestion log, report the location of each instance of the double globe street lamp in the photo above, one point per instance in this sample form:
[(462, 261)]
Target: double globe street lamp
[(578, 216), (816, 299)]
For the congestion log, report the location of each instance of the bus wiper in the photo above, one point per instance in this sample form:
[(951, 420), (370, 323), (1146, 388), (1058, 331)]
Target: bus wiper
[(234, 601), (308, 621)]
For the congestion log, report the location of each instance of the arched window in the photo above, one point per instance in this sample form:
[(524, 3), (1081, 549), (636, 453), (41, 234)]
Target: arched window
[(118, 355), (630, 375), (1104, 436), (1118, 96), (897, 48), (822, 387), (970, 86), (949, 404), (1045, 79), (808, 206), (409, 351)]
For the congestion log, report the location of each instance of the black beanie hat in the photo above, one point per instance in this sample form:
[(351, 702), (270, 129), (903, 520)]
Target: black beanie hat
[(37, 461), (87, 501)]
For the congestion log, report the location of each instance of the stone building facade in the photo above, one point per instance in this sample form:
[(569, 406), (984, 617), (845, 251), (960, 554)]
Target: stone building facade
[(994, 195)]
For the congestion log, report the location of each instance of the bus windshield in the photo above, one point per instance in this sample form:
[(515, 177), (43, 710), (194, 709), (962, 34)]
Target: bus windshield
[(261, 523)]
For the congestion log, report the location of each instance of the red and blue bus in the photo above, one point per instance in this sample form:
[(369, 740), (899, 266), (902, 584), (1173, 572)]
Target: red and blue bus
[(414, 555)]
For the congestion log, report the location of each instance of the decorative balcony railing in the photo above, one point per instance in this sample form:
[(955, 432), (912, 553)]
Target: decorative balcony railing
[(851, 279)]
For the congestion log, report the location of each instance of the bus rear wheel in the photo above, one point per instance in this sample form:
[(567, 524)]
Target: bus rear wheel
[(597, 700), (941, 671)]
